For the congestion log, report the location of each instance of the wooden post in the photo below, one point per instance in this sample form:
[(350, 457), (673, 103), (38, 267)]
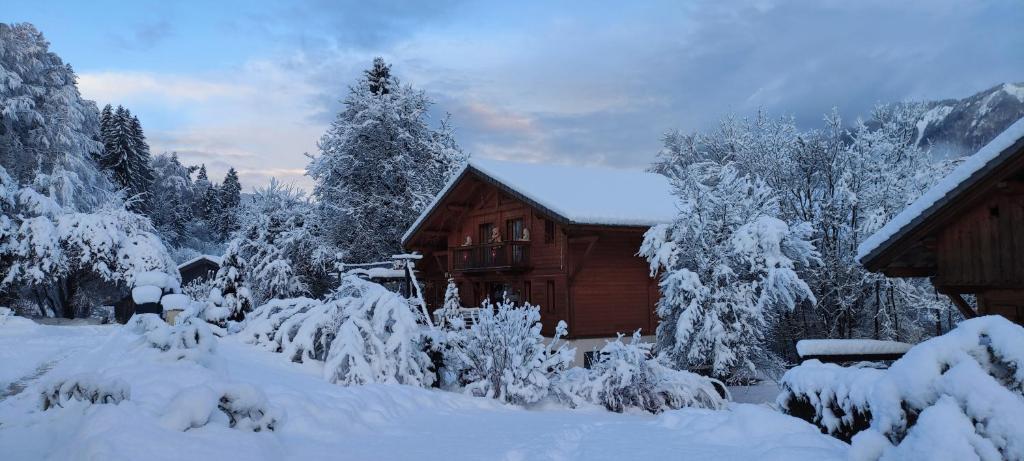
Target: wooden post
[(962, 305)]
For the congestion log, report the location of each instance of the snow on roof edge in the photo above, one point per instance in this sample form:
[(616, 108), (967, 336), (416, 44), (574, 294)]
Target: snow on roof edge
[(215, 259), (946, 185)]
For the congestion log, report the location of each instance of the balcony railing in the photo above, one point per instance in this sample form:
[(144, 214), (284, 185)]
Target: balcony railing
[(513, 255)]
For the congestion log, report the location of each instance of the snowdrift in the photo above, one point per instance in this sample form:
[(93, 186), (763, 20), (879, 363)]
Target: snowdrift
[(956, 396)]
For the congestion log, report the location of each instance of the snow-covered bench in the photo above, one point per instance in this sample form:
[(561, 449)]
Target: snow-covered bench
[(850, 350)]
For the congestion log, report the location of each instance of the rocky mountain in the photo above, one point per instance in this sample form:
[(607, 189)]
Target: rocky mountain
[(956, 127)]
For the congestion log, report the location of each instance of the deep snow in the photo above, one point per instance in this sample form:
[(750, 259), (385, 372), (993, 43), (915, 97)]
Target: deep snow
[(325, 421)]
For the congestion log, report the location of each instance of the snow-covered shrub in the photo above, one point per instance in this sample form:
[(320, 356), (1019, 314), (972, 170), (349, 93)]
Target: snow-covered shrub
[(238, 406), (230, 299), (832, 397), (363, 333), (960, 393), (85, 387), (448, 316), (503, 355), (728, 265), (626, 375), (190, 338)]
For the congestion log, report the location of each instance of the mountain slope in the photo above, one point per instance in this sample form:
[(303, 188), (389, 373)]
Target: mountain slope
[(962, 126)]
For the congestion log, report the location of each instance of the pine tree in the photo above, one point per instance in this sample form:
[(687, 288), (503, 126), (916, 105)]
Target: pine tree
[(380, 164)]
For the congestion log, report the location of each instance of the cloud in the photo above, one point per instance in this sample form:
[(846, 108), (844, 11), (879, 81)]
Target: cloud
[(538, 81), (144, 36)]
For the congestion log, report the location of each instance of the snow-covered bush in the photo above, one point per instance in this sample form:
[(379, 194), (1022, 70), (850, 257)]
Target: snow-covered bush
[(189, 339), (959, 395), (85, 387), (238, 406), (832, 397), (448, 316), (230, 299), (503, 355), (363, 332), (626, 375), (728, 265)]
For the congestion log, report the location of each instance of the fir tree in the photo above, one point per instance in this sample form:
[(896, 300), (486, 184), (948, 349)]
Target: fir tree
[(126, 155), (380, 164), (230, 196)]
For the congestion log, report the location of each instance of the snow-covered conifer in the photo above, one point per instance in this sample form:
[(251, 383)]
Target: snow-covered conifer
[(379, 165)]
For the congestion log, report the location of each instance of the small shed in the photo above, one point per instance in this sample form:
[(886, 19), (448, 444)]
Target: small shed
[(966, 233), (202, 267)]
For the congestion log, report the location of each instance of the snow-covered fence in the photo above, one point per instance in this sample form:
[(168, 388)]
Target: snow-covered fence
[(850, 350), (626, 375), (956, 396), (363, 334), (85, 387)]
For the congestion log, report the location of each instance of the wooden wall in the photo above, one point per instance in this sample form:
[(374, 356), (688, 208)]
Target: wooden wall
[(607, 292), (985, 246)]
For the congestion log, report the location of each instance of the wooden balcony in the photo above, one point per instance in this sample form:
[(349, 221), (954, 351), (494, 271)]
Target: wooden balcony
[(505, 256)]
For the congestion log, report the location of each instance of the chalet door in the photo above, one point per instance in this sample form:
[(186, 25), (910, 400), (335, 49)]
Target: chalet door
[(486, 254)]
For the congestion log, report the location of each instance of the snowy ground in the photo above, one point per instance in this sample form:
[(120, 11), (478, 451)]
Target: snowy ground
[(325, 421)]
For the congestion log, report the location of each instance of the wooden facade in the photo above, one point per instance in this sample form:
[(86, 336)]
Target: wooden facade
[(587, 275), (970, 241)]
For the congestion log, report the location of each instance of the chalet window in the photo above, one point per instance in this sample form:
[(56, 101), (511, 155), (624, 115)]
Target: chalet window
[(549, 294), (514, 229), (549, 231), (527, 292), (485, 232)]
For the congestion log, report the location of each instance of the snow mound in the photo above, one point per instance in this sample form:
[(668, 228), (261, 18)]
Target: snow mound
[(809, 347), (10, 322), (154, 278), (625, 375), (832, 397), (146, 294), (190, 339), (84, 387), (956, 396), (176, 301), (238, 406)]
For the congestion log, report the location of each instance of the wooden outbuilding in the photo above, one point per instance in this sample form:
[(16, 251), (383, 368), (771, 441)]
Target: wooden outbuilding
[(202, 267), (564, 238), (966, 232)]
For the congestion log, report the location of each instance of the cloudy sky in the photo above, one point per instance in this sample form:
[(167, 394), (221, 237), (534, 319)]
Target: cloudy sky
[(254, 84)]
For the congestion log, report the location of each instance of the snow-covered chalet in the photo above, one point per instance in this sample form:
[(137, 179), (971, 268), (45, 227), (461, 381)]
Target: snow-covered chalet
[(564, 238), (966, 232)]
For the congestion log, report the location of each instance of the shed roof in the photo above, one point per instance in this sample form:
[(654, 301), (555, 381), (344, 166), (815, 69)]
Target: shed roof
[(986, 162), (574, 194)]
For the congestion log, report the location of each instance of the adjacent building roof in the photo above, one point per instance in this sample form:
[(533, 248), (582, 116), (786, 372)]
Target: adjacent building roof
[(975, 168), (574, 194), (214, 259)]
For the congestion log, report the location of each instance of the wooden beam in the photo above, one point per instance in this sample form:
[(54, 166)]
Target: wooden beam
[(962, 305)]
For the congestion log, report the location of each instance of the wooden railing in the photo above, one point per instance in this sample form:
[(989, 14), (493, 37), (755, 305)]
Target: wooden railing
[(493, 256)]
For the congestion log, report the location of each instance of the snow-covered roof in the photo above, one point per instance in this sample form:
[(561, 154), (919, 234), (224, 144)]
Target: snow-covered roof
[(986, 159), (214, 259), (811, 347), (576, 194)]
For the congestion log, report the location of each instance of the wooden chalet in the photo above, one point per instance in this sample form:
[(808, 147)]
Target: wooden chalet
[(561, 237), (966, 233)]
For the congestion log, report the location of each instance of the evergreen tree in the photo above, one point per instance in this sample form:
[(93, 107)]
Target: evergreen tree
[(49, 135), (380, 164), (230, 196), (126, 155)]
